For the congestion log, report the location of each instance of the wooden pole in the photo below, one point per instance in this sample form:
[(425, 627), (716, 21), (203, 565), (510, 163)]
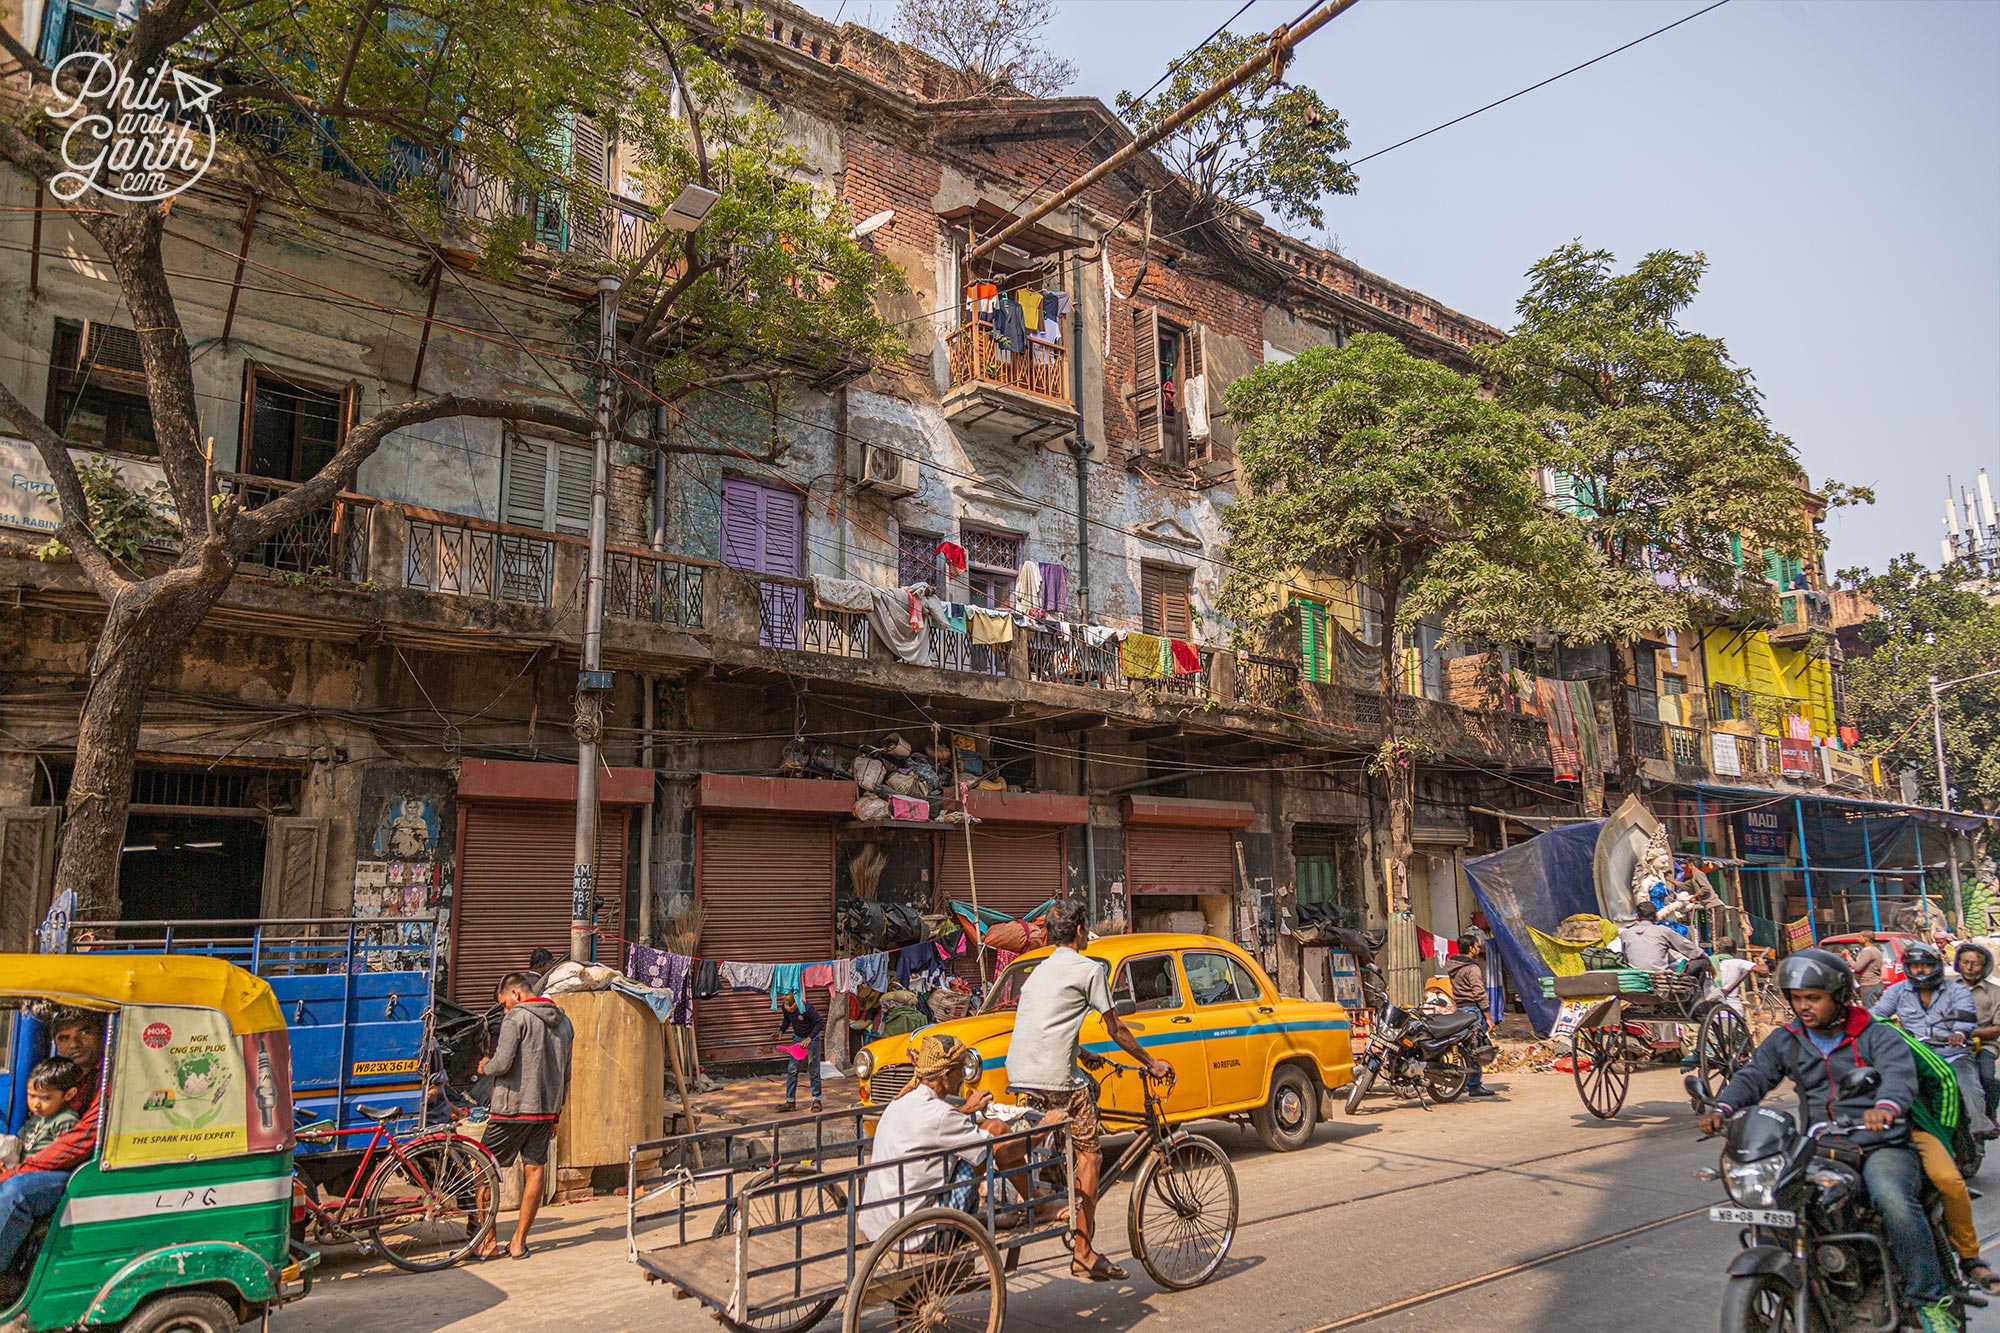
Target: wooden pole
[(971, 876), (681, 1086)]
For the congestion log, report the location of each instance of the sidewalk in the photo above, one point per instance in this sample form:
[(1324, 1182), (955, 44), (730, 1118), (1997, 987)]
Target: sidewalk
[(746, 1101)]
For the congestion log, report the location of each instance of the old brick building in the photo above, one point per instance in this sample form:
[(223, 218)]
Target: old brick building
[(377, 717)]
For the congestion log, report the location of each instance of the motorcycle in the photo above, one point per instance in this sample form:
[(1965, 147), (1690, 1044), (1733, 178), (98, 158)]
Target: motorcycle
[(1427, 1056), (1815, 1255)]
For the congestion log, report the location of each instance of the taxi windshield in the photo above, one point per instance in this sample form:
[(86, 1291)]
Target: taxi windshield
[(1005, 996)]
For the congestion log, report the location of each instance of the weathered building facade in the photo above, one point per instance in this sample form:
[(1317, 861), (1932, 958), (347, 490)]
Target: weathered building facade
[(377, 718)]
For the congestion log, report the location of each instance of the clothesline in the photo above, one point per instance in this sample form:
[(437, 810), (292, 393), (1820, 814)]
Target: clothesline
[(686, 980)]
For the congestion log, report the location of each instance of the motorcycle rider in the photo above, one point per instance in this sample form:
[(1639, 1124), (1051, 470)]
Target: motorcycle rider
[(1829, 1030), (1941, 1013)]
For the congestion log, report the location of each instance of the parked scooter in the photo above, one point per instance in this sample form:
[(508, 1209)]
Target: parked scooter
[(1427, 1056), (1814, 1255)]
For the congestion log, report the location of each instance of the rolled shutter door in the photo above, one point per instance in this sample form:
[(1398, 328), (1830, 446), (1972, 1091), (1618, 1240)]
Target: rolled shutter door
[(1159, 859), (765, 889), (515, 868), (1019, 867)]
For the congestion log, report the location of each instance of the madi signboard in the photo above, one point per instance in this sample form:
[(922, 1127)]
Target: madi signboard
[(1762, 833)]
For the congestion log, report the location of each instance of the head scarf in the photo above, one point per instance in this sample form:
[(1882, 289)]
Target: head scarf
[(936, 1055)]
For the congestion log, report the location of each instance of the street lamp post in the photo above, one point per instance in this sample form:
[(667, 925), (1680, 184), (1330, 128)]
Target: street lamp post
[(1938, 687), (685, 213)]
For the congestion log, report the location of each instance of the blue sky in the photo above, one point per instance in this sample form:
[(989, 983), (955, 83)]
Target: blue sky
[(1838, 161)]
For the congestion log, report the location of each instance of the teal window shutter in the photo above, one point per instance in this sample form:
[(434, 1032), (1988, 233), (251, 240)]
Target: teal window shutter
[(1735, 550)]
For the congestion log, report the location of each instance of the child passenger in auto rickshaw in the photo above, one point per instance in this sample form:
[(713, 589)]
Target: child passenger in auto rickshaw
[(32, 1190)]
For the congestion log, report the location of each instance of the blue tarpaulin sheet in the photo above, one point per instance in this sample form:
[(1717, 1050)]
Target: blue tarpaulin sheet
[(1536, 883)]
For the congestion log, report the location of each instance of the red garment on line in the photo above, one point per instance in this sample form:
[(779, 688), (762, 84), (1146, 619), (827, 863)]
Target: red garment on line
[(1187, 658), (954, 556)]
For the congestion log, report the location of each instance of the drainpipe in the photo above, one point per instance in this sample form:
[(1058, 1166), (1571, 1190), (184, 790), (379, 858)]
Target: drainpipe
[(1081, 446), (841, 473), (1076, 346), (657, 539)]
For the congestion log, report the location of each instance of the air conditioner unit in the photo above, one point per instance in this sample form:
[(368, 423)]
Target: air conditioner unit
[(889, 472)]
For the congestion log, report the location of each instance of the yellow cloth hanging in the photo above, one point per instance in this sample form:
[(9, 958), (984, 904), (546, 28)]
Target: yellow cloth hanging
[(1031, 307), (989, 626), (1140, 658)]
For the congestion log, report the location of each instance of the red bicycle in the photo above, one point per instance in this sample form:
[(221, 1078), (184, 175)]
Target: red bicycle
[(425, 1201)]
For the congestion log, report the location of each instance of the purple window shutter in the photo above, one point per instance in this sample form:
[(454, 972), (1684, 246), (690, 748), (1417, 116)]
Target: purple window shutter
[(742, 530), (784, 524)]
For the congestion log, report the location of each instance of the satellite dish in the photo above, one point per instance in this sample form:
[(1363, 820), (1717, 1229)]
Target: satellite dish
[(869, 224)]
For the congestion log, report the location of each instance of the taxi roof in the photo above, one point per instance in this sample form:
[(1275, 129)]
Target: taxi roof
[(1117, 948), (107, 981)]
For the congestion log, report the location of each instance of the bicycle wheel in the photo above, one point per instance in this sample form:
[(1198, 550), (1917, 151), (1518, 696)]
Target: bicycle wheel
[(1597, 1057), (1721, 1047), (782, 1205), (1182, 1217), (430, 1206), (935, 1271)]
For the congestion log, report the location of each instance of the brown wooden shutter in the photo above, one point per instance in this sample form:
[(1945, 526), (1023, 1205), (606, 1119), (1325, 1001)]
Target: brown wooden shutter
[(1146, 378), (1165, 859), (27, 868), (1198, 451), (515, 868), (295, 867), (1152, 599), (1174, 612), (765, 888)]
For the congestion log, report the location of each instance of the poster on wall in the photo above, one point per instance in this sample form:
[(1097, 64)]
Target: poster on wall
[(28, 494), (189, 1087), (1346, 977)]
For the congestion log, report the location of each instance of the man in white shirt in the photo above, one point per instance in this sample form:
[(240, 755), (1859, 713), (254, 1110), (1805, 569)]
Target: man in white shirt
[(1065, 989), (920, 1120), (1733, 973)]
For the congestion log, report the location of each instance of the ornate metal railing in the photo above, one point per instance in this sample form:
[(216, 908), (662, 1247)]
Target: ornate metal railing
[(330, 542), (954, 650), (787, 618), (659, 588), (483, 561), (1041, 369)]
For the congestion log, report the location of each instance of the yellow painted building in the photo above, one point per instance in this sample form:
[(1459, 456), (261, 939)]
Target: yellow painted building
[(1749, 678)]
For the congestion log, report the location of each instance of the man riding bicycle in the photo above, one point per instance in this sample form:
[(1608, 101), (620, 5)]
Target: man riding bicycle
[(1829, 1035)]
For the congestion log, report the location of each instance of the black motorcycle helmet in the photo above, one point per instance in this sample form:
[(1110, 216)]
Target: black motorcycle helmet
[(1922, 953), (1816, 969)]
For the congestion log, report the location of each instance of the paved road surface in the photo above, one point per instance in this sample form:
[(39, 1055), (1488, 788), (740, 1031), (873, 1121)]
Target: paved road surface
[(1520, 1213)]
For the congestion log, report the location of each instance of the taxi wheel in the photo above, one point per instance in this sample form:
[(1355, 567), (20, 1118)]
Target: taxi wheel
[(182, 1312), (1285, 1123)]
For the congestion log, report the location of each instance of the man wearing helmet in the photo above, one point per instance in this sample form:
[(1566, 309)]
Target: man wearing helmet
[(1829, 1035), (1940, 1013)]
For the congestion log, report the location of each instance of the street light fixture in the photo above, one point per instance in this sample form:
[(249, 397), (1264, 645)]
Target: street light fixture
[(1938, 687)]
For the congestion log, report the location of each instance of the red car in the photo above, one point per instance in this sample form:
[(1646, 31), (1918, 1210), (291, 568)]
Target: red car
[(1890, 943)]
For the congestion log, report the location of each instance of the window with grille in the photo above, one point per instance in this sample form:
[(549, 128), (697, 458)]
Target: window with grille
[(1163, 601), (97, 388), (993, 559), (917, 559)]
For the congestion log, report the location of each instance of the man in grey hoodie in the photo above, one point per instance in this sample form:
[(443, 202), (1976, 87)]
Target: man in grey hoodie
[(530, 1071)]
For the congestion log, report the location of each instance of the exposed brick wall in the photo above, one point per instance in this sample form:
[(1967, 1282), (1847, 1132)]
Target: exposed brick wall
[(631, 491)]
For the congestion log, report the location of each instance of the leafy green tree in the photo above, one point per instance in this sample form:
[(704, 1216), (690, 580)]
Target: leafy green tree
[(1678, 470), (443, 123), (1932, 624), (1367, 462), (1266, 145)]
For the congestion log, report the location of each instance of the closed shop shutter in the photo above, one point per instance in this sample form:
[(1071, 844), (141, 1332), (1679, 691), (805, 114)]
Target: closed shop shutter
[(1161, 859), (765, 888), (516, 863), (1020, 867)]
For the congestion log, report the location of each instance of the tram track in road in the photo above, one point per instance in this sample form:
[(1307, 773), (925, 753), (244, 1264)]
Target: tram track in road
[(1502, 1274)]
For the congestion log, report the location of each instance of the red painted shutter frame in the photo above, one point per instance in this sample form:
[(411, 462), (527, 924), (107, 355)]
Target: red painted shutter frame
[(765, 888), (516, 861)]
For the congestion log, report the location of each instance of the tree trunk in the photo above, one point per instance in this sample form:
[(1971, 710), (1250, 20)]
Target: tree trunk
[(144, 630), (1400, 775), (1622, 660)]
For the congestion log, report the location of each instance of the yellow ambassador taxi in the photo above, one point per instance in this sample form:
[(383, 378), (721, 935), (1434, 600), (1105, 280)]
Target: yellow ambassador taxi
[(1239, 1049)]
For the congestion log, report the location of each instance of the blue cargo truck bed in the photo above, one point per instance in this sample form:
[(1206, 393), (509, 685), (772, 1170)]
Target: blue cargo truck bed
[(356, 993)]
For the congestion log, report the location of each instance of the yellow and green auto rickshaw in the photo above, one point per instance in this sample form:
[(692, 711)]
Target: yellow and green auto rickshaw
[(180, 1220)]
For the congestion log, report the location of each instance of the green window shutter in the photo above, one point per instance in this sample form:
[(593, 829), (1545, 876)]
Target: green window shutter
[(1735, 550), (1774, 567), (1312, 639)]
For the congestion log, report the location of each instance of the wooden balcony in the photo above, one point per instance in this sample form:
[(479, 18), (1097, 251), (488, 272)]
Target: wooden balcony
[(1005, 400), (1801, 612)]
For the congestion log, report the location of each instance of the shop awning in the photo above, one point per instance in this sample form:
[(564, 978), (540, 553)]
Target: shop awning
[(1964, 821), (516, 780), (796, 796), (1020, 807)]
